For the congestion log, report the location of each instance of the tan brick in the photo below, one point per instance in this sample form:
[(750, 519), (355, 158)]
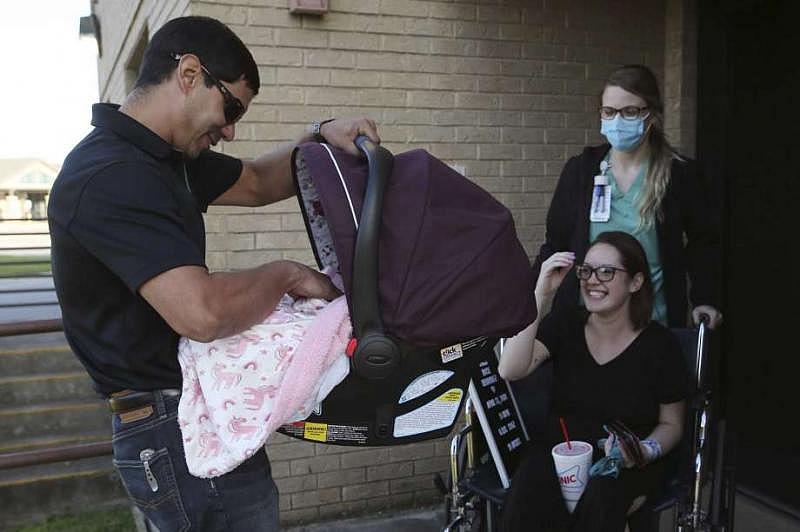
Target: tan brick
[(466, 47), (282, 240), (365, 491), (270, 55), (499, 84), (270, 16), (253, 35), (389, 471), (354, 41), (432, 134), (421, 63), (233, 15), (499, 151), (390, 502), (355, 78), (405, 43), (519, 32), (522, 102), (562, 103), (356, 6), (500, 118), (329, 58), (259, 112), (456, 151), (244, 223), (227, 242), (329, 95), (429, 26), (378, 61), (380, 97), (300, 516), (342, 478), (301, 114), (302, 76), (564, 70), (500, 184), (364, 457), (475, 30), (404, 116), (499, 49), (453, 82), (471, 100), (280, 468), (521, 67), (452, 11), (290, 449), (543, 152), (543, 119), (544, 86), (404, 485), (404, 80), (411, 452), (565, 136), (523, 135), (216, 262), (496, 14), (301, 38), (404, 8), (240, 260), (477, 134), (294, 484), (317, 464), (535, 50), (473, 65), (316, 497), (454, 118), (302, 256), (431, 99)]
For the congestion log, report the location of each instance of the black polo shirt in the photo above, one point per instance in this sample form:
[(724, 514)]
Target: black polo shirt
[(126, 207)]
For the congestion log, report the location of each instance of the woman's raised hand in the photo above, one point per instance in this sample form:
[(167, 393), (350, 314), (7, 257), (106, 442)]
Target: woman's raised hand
[(553, 272)]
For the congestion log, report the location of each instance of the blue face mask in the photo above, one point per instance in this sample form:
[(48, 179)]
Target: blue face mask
[(622, 134)]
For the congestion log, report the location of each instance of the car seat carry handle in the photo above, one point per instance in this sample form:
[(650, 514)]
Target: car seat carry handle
[(376, 355)]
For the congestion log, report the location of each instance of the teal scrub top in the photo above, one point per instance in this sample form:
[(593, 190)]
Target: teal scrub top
[(624, 216)]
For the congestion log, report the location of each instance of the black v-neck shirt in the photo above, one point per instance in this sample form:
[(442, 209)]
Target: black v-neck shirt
[(649, 372)]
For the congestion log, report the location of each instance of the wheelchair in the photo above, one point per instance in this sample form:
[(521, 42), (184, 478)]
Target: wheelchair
[(699, 486)]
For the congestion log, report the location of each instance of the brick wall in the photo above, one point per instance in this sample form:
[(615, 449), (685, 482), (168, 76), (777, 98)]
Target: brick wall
[(505, 89)]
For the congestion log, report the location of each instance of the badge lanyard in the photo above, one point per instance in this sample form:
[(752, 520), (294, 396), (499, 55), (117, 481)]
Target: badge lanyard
[(601, 195)]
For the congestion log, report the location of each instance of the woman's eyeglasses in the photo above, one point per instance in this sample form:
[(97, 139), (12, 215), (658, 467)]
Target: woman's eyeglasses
[(232, 106), (629, 112), (604, 274)]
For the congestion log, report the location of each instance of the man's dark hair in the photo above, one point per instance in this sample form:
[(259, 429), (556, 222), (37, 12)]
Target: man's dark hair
[(634, 260), (214, 43)]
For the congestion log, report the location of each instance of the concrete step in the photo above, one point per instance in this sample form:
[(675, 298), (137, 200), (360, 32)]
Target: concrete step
[(54, 440), (46, 388), (32, 494), (19, 361), (49, 419)]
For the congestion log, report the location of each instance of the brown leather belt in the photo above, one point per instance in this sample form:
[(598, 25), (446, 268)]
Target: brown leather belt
[(128, 400)]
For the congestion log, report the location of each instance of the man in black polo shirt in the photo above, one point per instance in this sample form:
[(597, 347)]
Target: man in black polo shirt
[(128, 251)]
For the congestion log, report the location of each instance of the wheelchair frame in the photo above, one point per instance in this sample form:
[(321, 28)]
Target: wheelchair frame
[(468, 505)]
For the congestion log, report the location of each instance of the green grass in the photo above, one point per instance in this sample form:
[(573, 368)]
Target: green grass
[(116, 520), (8, 264)]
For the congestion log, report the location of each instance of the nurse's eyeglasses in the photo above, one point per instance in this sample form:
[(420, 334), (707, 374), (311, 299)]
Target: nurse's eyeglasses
[(629, 112), (604, 274), (232, 106)]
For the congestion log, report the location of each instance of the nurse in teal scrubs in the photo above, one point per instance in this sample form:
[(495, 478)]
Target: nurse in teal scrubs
[(639, 184)]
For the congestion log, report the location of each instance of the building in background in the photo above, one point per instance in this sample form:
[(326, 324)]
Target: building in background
[(25, 188)]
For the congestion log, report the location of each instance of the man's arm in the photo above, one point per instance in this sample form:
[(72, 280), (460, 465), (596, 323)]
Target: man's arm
[(205, 306), (268, 178)]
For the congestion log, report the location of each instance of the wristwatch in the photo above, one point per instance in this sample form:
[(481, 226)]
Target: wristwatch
[(315, 127)]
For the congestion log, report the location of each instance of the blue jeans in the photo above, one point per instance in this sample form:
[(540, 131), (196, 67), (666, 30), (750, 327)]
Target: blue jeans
[(149, 457)]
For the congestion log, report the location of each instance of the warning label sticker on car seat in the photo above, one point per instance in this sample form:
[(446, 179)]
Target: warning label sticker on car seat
[(438, 414)]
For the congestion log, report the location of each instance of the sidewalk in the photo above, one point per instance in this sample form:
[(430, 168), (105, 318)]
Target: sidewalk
[(429, 519)]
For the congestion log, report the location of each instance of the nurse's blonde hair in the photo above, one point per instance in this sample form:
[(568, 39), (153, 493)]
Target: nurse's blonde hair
[(640, 80)]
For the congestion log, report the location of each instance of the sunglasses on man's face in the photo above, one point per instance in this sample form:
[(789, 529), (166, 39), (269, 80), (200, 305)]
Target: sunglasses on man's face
[(604, 274), (232, 106)]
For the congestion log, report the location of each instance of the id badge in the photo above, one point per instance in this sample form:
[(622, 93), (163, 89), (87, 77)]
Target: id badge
[(601, 200)]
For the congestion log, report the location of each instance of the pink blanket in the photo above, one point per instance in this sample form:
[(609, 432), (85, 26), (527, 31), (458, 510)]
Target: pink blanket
[(238, 390)]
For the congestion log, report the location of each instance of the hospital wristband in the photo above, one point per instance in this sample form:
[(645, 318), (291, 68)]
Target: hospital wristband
[(315, 129), (652, 450)]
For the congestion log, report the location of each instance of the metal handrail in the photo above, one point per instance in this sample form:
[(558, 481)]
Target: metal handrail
[(30, 327), (55, 454)]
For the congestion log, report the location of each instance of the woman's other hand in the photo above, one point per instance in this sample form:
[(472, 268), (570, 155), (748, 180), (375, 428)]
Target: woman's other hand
[(553, 272), (714, 316)]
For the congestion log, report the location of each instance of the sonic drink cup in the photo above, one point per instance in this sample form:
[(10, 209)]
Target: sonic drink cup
[(572, 468)]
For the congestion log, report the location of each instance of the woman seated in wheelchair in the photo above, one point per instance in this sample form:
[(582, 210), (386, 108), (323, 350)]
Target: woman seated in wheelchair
[(611, 363)]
